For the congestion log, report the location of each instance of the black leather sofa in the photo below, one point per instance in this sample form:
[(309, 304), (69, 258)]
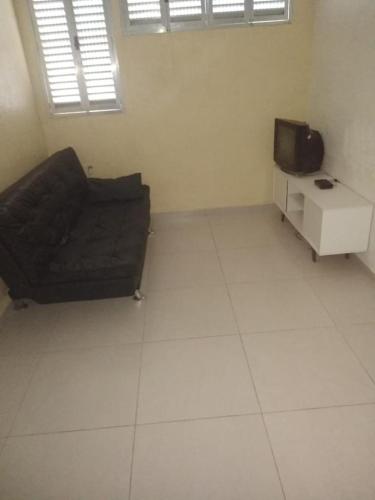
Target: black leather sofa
[(65, 237)]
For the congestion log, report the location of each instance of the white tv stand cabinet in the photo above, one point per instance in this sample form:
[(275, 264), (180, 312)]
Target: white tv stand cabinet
[(332, 221)]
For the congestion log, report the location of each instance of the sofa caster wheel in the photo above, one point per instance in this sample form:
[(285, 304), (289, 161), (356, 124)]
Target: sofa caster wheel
[(138, 295), (19, 304)]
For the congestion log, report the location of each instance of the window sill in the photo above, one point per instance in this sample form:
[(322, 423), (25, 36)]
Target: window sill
[(71, 114), (204, 27)]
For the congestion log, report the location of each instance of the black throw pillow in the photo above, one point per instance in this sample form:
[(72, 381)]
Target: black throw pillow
[(120, 189)]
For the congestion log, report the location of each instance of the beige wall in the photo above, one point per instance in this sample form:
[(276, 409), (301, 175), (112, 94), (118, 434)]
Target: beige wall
[(199, 109), (342, 102), (21, 136)]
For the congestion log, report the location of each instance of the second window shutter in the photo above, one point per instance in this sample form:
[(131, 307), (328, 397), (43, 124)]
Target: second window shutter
[(228, 11), (96, 52), (143, 16), (269, 10), (186, 13)]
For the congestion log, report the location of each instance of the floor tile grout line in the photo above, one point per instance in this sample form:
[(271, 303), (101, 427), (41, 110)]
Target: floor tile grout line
[(167, 288), (338, 328), (118, 345), (43, 352), (135, 428), (302, 277), (262, 416), (276, 465), (194, 419), (358, 359), (144, 303), (197, 419), (317, 408), (183, 339), (38, 362), (259, 413), (69, 431), (134, 431), (220, 250), (285, 330), (39, 353)]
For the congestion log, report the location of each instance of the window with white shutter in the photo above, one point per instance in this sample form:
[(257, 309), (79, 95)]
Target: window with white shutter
[(78, 56), (159, 16), (168, 15)]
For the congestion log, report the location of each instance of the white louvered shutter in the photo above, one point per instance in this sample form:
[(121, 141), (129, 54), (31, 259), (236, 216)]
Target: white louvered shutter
[(144, 16), (228, 11), (270, 10), (185, 13), (95, 52), (80, 68), (248, 11), (57, 51)]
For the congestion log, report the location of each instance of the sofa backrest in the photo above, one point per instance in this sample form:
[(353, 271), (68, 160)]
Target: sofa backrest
[(37, 212)]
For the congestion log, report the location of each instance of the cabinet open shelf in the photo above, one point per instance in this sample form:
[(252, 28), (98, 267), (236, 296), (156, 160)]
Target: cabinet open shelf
[(295, 202)]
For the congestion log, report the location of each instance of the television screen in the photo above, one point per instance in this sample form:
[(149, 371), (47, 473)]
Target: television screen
[(286, 146)]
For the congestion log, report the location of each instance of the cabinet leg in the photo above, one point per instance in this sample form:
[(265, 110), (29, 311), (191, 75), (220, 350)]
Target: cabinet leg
[(282, 217), (347, 256), (313, 255)]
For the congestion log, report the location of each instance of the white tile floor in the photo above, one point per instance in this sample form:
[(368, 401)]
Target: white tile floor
[(247, 373)]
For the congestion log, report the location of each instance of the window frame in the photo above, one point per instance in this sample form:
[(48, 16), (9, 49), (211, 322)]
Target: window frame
[(84, 107), (208, 20)]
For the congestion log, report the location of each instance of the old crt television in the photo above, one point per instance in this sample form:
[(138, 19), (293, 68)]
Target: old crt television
[(297, 149)]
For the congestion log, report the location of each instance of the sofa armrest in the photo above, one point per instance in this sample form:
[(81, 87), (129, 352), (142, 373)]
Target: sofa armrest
[(120, 189)]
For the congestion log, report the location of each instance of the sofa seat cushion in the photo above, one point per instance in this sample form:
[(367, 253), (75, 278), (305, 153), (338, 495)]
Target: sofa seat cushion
[(108, 241)]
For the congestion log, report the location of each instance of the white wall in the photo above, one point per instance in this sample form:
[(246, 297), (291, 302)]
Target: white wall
[(342, 103)]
